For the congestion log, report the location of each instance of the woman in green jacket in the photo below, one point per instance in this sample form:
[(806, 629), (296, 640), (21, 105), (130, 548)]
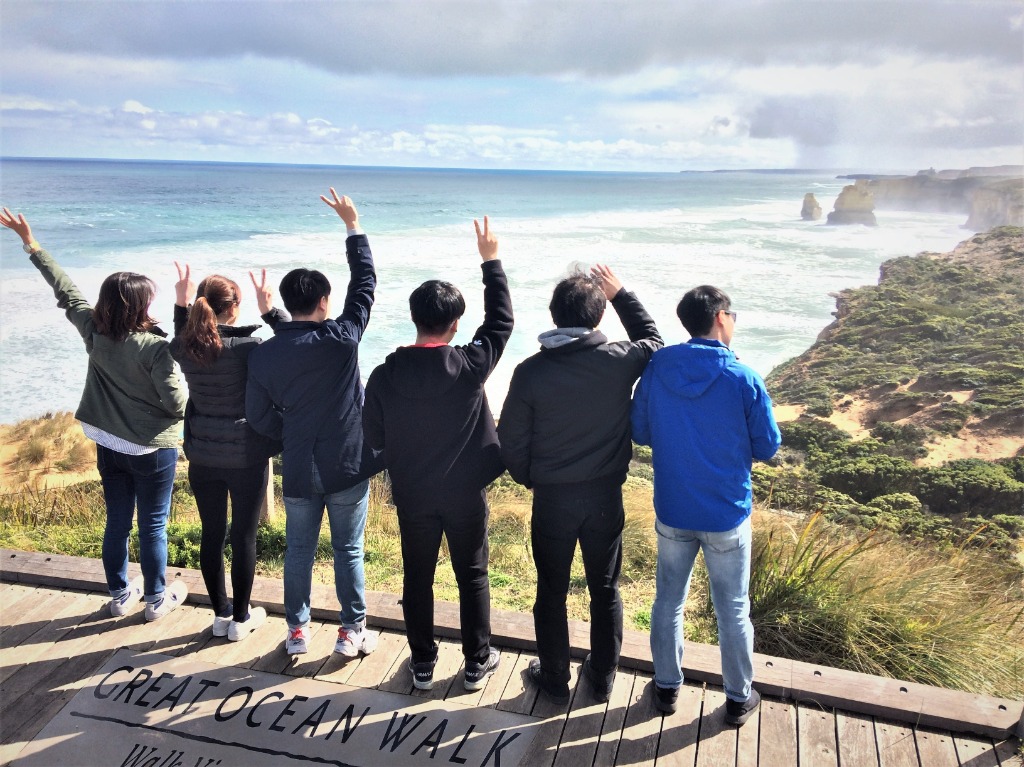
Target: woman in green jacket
[(131, 407)]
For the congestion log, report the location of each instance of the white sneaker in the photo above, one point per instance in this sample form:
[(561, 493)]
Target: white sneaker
[(220, 625), (353, 641), (239, 631), (125, 603), (174, 596), (295, 643)]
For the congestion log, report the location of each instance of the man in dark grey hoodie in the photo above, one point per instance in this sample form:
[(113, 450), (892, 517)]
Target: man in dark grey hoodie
[(564, 432), (426, 409)]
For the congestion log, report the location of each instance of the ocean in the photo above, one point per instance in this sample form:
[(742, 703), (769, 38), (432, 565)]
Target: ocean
[(662, 233)]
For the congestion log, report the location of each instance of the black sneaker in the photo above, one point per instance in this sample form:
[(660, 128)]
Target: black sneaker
[(559, 694), (665, 699), (737, 713), (601, 685), (422, 674), (477, 673)]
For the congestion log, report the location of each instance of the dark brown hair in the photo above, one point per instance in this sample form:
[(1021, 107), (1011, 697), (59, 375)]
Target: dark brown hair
[(578, 301), (200, 339), (123, 305)]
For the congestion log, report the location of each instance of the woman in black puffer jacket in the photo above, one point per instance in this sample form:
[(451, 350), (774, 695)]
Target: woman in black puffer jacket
[(226, 457)]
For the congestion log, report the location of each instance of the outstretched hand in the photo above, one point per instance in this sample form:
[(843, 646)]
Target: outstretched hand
[(344, 207), (609, 282), (486, 242), (184, 288), (264, 293), (18, 225)]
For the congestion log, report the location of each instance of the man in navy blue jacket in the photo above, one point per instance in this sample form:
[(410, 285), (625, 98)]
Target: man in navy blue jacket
[(427, 410), (304, 389), (707, 418)]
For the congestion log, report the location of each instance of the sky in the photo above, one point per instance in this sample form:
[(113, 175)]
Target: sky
[(631, 85)]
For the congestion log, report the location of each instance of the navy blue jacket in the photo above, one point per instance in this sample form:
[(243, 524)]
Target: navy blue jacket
[(304, 389)]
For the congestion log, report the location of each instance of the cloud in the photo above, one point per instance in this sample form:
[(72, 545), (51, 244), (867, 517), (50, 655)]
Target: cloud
[(530, 37)]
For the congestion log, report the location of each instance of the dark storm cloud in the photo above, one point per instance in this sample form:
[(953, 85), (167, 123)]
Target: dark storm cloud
[(484, 37)]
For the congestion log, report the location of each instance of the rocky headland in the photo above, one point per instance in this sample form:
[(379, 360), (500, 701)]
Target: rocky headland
[(989, 197)]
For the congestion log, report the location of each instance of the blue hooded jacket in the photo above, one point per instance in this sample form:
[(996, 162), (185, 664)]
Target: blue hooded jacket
[(706, 418)]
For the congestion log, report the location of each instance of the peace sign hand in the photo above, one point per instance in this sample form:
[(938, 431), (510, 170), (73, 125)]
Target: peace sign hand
[(184, 288), (264, 292), (486, 242)]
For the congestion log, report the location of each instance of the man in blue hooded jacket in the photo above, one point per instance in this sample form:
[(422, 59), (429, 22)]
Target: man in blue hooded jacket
[(707, 418)]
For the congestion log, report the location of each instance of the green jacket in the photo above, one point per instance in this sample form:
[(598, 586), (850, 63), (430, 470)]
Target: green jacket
[(131, 388)]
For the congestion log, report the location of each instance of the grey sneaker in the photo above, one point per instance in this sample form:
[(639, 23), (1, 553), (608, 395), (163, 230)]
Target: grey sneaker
[(477, 673), (238, 631), (174, 596), (351, 642), (297, 640), (124, 604), (422, 674), (736, 712)]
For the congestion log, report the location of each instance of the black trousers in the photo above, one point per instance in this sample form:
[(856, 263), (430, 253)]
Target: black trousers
[(464, 523), (247, 488), (592, 514)]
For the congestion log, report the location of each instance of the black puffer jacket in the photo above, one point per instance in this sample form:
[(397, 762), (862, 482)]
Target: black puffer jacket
[(216, 431), (566, 416)]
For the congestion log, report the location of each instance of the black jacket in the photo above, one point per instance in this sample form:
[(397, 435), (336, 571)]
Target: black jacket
[(566, 416), (304, 389), (216, 432), (427, 410)]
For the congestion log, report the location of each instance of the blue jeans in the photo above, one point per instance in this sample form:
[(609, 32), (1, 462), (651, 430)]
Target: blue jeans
[(146, 482), (727, 558), (346, 513)]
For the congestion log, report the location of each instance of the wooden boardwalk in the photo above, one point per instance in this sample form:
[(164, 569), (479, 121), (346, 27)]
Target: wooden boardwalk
[(55, 631)]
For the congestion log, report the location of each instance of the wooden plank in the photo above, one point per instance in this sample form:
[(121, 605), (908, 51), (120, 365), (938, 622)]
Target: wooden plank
[(47, 604), (936, 748), (18, 602), (40, 649), (748, 741), (1008, 751), (896, 746), (248, 651), (642, 728), (519, 695), (614, 718), (977, 752), (816, 736), (680, 731), (717, 744), (490, 696), (855, 735), (582, 731), (545, 744), (778, 733)]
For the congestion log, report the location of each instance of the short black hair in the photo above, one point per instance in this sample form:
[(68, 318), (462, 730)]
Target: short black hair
[(302, 289), (578, 302), (435, 305), (698, 308)]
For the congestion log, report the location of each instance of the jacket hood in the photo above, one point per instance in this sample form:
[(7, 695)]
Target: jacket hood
[(689, 369), (423, 372)]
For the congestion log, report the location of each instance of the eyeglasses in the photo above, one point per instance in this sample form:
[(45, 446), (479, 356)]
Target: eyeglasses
[(731, 314)]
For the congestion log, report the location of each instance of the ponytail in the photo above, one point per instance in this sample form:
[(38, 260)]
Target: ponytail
[(201, 338)]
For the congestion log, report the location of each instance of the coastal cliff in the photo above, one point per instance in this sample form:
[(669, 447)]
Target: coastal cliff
[(990, 197)]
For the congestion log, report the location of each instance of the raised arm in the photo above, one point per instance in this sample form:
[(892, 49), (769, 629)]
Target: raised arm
[(184, 294), (69, 298), (363, 279), (491, 337), (639, 325), (265, 300)]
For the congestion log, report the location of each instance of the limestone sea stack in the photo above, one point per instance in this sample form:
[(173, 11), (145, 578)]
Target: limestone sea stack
[(811, 210), (854, 205)]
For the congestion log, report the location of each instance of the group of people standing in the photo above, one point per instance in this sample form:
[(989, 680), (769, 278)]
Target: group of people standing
[(565, 431)]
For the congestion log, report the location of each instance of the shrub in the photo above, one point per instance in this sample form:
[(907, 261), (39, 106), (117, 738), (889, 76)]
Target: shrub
[(864, 474), (808, 434), (970, 486)]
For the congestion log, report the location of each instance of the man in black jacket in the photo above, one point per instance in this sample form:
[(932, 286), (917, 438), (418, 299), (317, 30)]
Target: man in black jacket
[(304, 389), (565, 432), (427, 410)]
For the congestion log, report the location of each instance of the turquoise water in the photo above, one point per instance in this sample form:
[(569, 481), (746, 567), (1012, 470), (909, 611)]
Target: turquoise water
[(661, 232)]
